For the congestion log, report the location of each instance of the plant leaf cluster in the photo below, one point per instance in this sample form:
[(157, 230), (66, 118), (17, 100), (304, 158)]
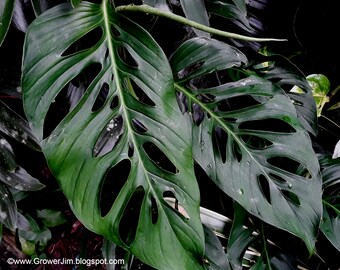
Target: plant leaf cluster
[(132, 123)]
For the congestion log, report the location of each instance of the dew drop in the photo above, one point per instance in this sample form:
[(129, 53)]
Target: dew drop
[(240, 191)]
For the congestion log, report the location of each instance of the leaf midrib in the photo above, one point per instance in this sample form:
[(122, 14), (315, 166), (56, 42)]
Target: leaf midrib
[(223, 125), (107, 30)]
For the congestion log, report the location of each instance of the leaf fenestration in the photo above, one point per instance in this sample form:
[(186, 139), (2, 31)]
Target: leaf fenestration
[(139, 109)]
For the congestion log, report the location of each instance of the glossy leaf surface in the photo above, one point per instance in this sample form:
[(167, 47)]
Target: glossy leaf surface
[(6, 12), (246, 149), (330, 225), (106, 144)]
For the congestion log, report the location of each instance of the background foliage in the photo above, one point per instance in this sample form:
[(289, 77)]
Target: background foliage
[(182, 149)]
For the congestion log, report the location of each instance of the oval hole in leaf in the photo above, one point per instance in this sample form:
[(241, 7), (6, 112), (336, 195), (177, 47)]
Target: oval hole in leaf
[(101, 98), (264, 186), (220, 139), (138, 126), (291, 197), (139, 93), (189, 70), (159, 158), (289, 165), (59, 108), (114, 103), (271, 125), (256, 142), (182, 102), (114, 31), (172, 201), (109, 137), (154, 211), (126, 57), (237, 151), (112, 184), (129, 221), (85, 42), (131, 150), (277, 178), (197, 114), (75, 91), (236, 103)]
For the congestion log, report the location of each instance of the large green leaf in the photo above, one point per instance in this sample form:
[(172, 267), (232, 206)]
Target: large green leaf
[(248, 245), (234, 11), (330, 225), (195, 10), (249, 140), (6, 12), (123, 143)]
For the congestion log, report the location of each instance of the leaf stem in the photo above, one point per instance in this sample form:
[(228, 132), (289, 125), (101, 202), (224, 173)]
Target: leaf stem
[(151, 10), (331, 206)]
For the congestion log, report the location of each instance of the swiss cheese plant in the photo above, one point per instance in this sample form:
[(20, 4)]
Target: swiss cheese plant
[(124, 126)]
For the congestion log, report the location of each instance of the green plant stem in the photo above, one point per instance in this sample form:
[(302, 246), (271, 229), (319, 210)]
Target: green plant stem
[(331, 206), (150, 10)]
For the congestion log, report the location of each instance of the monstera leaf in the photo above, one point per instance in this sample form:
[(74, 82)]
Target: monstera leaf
[(330, 224), (124, 147), (281, 71), (249, 246), (6, 12), (249, 140)]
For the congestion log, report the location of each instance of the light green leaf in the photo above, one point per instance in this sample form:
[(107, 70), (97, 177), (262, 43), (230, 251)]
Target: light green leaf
[(6, 12), (246, 150), (195, 10), (35, 238), (97, 151), (320, 87), (51, 218), (75, 3)]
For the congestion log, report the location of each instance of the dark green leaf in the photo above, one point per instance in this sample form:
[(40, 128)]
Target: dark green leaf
[(196, 11), (6, 12), (75, 2), (15, 127), (284, 73), (36, 235), (7, 157), (252, 151), (330, 225), (140, 110), (8, 208), (215, 257), (20, 179), (240, 238), (51, 218), (231, 12), (113, 252)]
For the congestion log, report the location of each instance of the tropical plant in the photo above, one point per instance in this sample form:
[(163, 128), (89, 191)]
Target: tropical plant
[(131, 121)]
